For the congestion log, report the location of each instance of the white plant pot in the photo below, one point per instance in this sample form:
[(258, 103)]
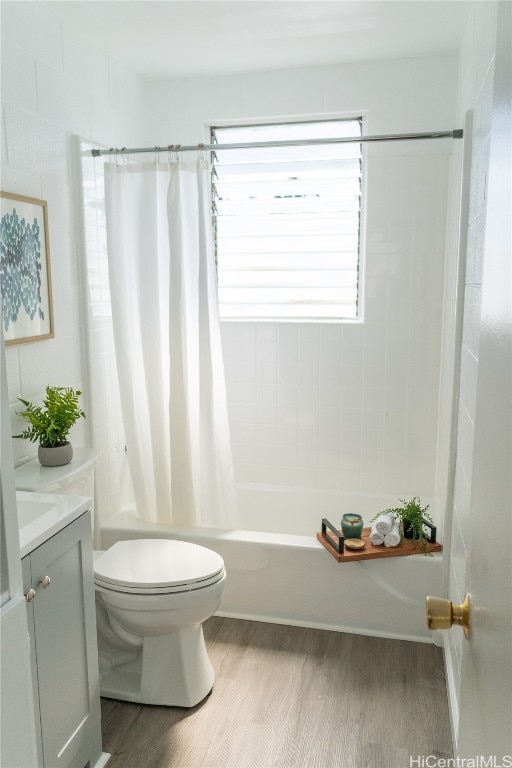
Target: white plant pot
[(55, 457)]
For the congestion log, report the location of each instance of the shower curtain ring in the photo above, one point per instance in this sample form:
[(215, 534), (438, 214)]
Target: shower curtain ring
[(201, 153), (174, 153)]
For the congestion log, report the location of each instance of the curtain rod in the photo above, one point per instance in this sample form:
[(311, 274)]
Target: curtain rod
[(455, 134)]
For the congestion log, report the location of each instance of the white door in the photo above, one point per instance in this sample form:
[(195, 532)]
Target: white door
[(485, 709)]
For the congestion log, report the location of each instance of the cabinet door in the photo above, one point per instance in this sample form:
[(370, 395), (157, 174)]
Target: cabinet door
[(27, 584), (66, 648)]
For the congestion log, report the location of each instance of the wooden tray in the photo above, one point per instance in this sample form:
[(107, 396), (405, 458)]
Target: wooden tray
[(370, 552)]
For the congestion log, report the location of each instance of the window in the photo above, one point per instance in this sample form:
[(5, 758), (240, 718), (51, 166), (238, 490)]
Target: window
[(287, 222)]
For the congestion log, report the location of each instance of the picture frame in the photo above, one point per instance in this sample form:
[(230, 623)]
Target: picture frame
[(25, 275)]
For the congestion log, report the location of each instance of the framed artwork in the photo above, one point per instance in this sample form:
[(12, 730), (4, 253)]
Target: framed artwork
[(25, 280)]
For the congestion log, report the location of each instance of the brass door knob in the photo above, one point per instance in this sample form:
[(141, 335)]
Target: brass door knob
[(442, 614)]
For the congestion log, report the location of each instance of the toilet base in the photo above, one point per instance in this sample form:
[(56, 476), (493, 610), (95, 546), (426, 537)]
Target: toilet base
[(169, 670)]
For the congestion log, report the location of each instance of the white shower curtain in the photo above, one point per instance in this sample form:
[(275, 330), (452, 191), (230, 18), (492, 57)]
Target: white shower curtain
[(167, 341)]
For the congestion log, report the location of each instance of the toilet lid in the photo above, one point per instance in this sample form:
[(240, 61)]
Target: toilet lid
[(157, 565)]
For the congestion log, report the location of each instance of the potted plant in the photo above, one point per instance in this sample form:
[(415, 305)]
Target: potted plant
[(50, 424), (411, 517)]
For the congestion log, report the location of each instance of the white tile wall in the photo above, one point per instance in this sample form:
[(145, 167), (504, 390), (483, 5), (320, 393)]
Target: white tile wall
[(32, 28), (359, 401), (18, 80), (84, 64), (407, 94), (351, 406), (56, 83)]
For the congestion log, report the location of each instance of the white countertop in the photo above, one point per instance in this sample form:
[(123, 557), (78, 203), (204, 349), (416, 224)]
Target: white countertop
[(32, 476), (42, 515)]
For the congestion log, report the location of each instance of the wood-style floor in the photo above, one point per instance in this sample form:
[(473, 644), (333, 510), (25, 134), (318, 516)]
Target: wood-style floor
[(288, 697)]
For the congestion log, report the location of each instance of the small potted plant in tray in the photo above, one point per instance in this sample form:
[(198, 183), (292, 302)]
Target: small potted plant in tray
[(50, 424), (411, 517)]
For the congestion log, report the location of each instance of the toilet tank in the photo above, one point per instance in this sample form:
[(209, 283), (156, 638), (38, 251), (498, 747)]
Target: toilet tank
[(75, 478)]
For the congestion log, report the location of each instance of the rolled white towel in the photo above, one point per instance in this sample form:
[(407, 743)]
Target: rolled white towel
[(392, 539), (384, 523), (376, 537)]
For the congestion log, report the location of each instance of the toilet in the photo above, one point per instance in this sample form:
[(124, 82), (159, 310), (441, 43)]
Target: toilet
[(152, 597)]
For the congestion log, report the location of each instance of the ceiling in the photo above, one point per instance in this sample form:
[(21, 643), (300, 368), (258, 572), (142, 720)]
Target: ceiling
[(179, 38)]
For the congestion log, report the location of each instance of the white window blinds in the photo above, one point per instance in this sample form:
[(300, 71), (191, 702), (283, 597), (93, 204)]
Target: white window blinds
[(287, 222)]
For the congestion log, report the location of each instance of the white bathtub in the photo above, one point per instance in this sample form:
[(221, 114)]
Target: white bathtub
[(289, 578)]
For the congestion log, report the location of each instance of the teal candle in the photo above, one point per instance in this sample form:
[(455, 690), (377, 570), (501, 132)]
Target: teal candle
[(352, 525)]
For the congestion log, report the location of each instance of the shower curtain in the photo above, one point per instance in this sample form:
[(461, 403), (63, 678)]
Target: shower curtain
[(167, 341)]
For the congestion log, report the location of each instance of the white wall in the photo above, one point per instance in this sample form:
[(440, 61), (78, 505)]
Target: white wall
[(350, 407), (56, 83), (343, 406), (476, 80)]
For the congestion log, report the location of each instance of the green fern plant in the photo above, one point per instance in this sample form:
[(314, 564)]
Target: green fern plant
[(412, 514), (410, 517), (50, 424)]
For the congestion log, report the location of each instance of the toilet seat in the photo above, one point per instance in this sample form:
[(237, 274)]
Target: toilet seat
[(157, 566)]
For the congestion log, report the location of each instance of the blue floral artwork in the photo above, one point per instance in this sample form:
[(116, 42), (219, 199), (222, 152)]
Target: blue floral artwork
[(24, 270)]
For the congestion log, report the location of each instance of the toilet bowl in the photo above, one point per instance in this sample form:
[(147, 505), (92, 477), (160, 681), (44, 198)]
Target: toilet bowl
[(152, 596)]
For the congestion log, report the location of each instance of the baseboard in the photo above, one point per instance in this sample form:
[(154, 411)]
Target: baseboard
[(329, 627), (452, 673), (102, 760)]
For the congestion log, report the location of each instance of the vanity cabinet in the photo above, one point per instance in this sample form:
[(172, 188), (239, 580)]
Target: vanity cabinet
[(59, 587)]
